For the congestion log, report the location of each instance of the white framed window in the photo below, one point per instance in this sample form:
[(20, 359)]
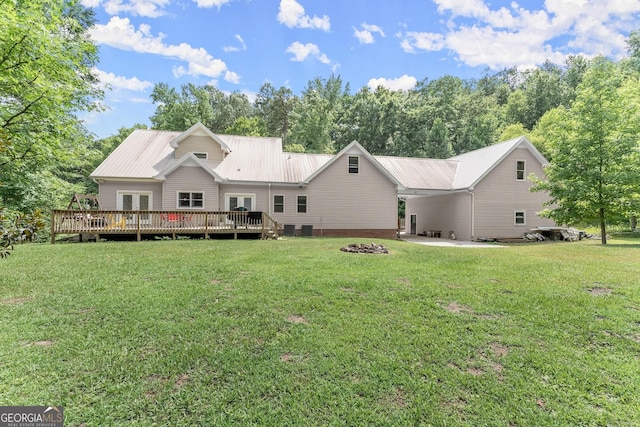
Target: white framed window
[(302, 204), (278, 203), (203, 156), (520, 170), (235, 201), (520, 218), (190, 200), (354, 164)]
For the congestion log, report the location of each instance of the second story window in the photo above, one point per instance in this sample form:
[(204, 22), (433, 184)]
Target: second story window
[(520, 170), (354, 164)]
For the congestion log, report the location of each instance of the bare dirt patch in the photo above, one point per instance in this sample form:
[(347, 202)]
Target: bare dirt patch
[(291, 358), (600, 291), (182, 380), (475, 371), (499, 349), (44, 343), (15, 301), (456, 308), (298, 319), (397, 399)]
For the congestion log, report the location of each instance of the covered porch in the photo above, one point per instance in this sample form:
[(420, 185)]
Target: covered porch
[(162, 223)]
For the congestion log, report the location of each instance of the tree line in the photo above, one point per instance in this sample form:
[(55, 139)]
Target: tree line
[(581, 114), (437, 118)]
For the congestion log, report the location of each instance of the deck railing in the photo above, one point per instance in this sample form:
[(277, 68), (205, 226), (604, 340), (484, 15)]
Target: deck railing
[(161, 223)]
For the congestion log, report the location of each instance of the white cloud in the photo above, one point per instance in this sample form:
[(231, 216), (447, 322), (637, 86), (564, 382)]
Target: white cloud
[(120, 82), (146, 8), (232, 77), (401, 83), (506, 37), (242, 46), (211, 3), (292, 14), (365, 34), (423, 41), (121, 34), (302, 51)]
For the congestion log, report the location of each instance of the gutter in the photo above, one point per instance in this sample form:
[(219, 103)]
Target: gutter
[(473, 213)]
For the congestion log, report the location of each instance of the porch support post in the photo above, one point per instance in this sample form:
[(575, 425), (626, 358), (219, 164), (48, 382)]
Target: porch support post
[(53, 223)]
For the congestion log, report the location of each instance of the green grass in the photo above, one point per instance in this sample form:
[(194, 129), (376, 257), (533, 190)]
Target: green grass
[(297, 333)]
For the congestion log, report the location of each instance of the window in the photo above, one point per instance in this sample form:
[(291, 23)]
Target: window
[(354, 163), (278, 203), (203, 156), (234, 201), (302, 204), (520, 218), (190, 200), (520, 170)]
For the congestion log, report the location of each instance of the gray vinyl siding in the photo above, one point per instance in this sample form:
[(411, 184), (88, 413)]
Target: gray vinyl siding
[(192, 179), (339, 200), (108, 192), (199, 144), (500, 194), (447, 213)]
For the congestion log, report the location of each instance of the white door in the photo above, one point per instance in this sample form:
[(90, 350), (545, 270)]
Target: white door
[(135, 201)]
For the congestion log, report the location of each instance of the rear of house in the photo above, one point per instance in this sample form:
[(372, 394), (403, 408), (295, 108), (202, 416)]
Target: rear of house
[(484, 193), (489, 196)]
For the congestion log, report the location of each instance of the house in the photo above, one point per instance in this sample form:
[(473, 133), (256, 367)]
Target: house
[(351, 193)]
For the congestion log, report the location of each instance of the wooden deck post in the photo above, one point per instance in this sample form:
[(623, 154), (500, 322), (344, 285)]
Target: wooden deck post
[(53, 228)]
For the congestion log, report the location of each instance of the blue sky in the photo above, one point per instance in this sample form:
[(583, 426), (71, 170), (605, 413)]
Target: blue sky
[(237, 45)]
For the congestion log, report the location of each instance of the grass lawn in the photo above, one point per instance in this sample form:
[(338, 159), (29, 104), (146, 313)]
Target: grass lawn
[(297, 333)]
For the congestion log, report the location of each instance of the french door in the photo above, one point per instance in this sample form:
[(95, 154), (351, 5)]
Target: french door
[(135, 201)]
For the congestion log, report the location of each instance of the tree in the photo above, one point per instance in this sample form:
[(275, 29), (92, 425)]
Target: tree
[(275, 108), (316, 117), (594, 170), (244, 126), (46, 61)]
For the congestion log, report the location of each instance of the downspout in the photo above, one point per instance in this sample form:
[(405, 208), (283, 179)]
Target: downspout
[(270, 201), (473, 213)]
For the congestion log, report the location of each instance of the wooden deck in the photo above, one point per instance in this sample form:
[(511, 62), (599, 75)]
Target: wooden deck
[(161, 223)]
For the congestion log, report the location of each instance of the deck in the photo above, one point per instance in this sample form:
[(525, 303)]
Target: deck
[(161, 223)]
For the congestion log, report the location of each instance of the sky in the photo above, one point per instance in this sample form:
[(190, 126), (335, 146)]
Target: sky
[(238, 45)]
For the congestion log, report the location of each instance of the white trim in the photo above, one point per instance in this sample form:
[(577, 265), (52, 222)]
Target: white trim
[(515, 217), (284, 208), (119, 194), (357, 166), (252, 196), (524, 170), (306, 212), (190, 199)]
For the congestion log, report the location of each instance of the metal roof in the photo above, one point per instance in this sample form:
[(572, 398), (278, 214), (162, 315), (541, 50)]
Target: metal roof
[(148, 154), (420, 173), (142, 154), (476, 164)]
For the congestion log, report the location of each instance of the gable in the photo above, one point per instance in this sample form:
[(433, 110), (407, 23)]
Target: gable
[(477, 164), (199, 139), (200, 144), (342, 158)]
